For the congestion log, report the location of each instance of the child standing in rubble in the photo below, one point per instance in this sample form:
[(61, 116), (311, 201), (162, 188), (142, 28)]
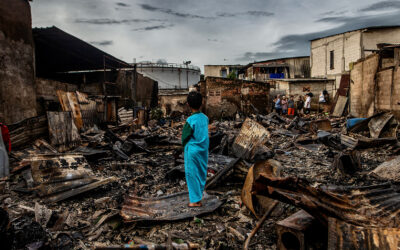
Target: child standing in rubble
[(195, 142)]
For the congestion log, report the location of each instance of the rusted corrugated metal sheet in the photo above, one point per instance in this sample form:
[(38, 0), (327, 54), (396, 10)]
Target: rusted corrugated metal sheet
[(28, 130), (257, 202), (166, 208), (58, 177), (343, 235), (88, 110), (369, 206), (252, 135), (69, 102)]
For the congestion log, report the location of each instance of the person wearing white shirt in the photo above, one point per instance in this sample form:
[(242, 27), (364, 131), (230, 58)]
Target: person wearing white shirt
[(307, 104)]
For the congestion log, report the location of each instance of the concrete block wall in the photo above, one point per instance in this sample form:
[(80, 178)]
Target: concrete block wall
[(396, 93), (373, 37), (170, 103), (47, 89), (336, 46), (318, 61), (225, 97), (347, 49), (362, 87), (384, 90), (352, 49)]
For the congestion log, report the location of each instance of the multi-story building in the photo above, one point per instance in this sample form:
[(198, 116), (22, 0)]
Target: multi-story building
[(281, 68), (334, 55), (221, 70)]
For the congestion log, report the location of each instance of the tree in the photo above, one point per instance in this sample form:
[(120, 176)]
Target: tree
[(232, 75)]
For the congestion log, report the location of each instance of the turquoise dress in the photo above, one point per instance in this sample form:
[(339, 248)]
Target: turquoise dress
[(195, 142)]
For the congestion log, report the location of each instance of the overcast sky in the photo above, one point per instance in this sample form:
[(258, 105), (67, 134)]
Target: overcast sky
[(209, 31)]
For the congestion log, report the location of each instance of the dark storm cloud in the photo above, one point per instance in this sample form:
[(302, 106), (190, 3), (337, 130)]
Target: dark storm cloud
[(155, 27), (105, 21), (255, 13), (333, 13), (383, 6), (257, 56), (170, 11), (333, 19), (122, 4), (102, 43), (300, 44)]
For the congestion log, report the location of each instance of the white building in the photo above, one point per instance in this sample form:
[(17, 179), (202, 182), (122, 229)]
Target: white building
[(333, 55), (170, 75)]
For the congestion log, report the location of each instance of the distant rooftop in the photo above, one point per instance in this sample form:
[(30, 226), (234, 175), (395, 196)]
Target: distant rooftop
[(272, 60), (165, 65), (365, 28), (225, 65)]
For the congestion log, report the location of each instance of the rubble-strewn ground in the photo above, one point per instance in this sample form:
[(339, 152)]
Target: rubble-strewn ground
[(92, 218)]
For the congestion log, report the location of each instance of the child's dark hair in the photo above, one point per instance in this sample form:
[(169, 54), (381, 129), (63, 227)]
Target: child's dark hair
[(194, 100)]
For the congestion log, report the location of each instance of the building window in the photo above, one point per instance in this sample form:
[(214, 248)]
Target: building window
[(332, 59), (224, 73)]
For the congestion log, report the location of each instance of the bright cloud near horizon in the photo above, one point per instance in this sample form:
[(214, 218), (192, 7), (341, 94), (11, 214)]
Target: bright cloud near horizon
[(209, 31)]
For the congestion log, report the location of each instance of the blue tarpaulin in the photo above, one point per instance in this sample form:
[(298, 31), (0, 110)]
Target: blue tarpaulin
[(277, 75), (353, 121)]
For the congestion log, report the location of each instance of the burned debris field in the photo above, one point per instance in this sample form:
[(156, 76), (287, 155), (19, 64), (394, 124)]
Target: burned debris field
[(121, 185), (285, 137)]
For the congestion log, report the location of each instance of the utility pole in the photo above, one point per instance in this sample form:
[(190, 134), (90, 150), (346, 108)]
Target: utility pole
[(187, 72)]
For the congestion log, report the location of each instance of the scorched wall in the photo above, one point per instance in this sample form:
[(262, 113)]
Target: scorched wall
[(17, 92)]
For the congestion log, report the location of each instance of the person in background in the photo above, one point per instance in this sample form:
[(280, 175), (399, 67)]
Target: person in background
[(278, 107), (273, 104), (321, 101), (307, 104), (284, 105), (326, 106), (5, 133), (5, 145), (195, 142), (291, 106), (300, 105)]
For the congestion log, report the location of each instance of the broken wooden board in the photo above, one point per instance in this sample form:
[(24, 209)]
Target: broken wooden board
[(75, 191), (62, 131), (252, 135), (166, 208), (340, 106)]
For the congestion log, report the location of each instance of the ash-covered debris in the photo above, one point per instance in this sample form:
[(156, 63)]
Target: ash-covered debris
[(51, 199)]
